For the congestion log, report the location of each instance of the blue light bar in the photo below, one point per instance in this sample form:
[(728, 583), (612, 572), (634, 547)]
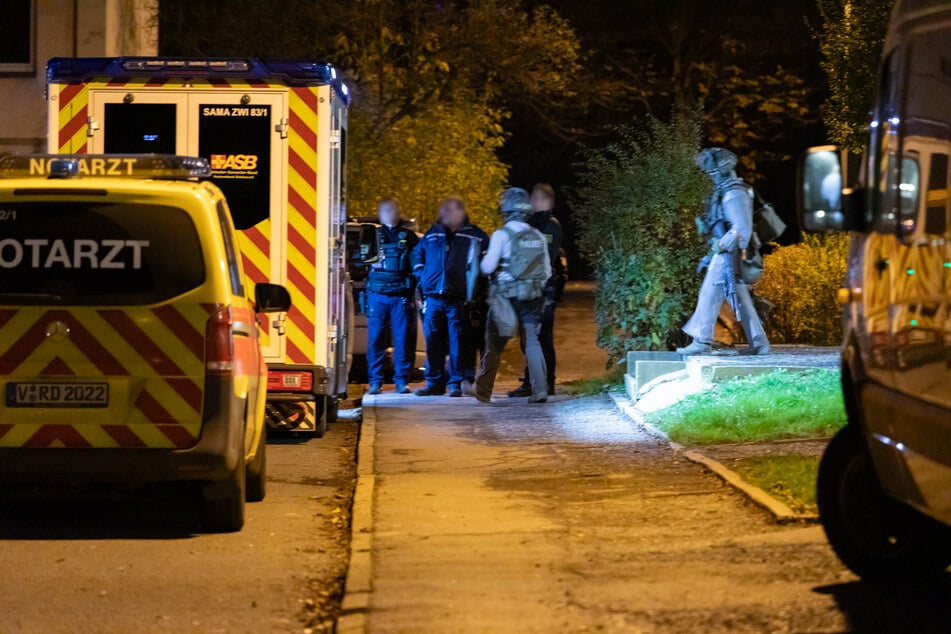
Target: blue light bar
[(65, 166), (287, 71)]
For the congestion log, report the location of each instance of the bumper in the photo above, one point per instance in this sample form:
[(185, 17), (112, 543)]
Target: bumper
[(319, 387), (215, 456)]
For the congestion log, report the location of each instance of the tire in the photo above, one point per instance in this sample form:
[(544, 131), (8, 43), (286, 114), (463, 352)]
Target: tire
[(333, 407), (257, 471), (223, 503), (876, 537)]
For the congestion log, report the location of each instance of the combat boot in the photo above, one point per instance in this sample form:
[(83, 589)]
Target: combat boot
[(697, 347), (759, 347)]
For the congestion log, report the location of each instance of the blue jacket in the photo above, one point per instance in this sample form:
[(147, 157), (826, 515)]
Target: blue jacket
[(440, 260)]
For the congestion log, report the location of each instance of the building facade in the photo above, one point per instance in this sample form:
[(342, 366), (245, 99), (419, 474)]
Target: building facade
[(33, 31)]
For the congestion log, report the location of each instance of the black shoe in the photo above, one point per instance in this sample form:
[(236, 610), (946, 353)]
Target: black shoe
[(455, 393), (402, 388), (375, 388), (538, 399), (430, 390), (521, 392)]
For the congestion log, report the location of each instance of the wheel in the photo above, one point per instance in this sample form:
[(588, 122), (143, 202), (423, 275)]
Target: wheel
[(257, 471), (333, 406), (223, 503), (876, 537)]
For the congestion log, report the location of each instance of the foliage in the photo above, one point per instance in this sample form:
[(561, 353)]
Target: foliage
[(790, 478), (851, 41), (432, 82), (449, 148), (801, 281), (593, 385), (771, 406), (636, 211), (751, 102)]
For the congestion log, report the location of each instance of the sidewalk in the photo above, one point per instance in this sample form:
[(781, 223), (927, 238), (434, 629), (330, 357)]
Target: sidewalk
[(562, 517)]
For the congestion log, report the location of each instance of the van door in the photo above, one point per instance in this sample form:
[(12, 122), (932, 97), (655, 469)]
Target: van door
[(242, 134)]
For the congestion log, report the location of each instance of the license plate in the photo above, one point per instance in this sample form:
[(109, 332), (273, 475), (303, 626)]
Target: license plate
[(57, 395)]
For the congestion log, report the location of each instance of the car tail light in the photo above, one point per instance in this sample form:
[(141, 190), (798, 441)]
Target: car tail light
[(219, 347), (284, 381)]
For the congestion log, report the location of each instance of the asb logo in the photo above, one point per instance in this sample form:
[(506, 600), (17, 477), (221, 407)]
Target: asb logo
[(234, 162)]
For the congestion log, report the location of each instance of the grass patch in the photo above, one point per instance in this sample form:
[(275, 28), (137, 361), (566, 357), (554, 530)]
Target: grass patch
[(593, 385), (776, 405), (790, 478)]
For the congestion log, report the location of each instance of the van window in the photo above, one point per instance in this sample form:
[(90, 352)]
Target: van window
[(884, 165), (234, 268), (96, 254)]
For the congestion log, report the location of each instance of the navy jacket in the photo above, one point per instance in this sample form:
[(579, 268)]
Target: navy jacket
[(440, 260)]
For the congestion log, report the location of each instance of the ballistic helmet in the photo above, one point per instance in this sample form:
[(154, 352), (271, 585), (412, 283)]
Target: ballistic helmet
[(716, 161), (515, 203)]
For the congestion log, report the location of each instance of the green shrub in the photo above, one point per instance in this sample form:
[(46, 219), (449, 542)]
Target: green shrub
[(636, 211), (801, 281)]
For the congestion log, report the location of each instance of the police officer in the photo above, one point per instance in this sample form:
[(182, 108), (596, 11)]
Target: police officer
[(391, 305), (441, 262), (729, 222), (542, 218)]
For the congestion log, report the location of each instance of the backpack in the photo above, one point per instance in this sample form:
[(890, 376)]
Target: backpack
[(526, 263)]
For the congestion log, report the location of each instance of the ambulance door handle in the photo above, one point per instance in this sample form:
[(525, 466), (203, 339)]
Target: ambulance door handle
[(282, 127), (91, 126), (279, 324)]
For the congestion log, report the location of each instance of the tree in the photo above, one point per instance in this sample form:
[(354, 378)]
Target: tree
[(636, 211), (725, 59), (851, 41), (432, 82)]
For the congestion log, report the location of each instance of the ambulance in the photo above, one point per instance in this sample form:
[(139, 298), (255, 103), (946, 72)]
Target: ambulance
[(129, 346), (274, 134), (884, 487)]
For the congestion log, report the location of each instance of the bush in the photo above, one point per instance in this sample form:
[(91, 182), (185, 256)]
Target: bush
[(801, 281), (636, 211)]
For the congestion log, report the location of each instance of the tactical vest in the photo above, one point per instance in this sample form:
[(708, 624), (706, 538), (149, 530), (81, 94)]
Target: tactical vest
[(390, 274)]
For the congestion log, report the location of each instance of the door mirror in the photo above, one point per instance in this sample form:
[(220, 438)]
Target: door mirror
[(271, 298), (821, 207)]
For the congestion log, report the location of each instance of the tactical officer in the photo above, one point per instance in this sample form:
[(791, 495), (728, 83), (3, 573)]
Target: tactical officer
[(728, 221), (517, 259), (543, 219), (442, 261), (391, 305)]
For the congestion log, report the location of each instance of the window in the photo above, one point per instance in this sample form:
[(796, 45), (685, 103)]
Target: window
[(234, 268), (17, 37), (96, 254), (936, 218)]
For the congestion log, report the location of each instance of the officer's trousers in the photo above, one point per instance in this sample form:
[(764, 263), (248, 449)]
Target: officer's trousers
[(444, 326), (529, 313), (386, 312), (703, 323)]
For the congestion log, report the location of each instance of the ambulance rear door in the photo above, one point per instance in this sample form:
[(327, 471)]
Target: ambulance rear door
[(242, 132)]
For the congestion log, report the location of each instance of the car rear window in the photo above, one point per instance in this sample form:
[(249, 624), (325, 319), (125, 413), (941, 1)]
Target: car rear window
[(95, 253)]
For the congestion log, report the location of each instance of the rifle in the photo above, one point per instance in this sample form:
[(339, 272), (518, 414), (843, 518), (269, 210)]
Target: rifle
[(729, 273)]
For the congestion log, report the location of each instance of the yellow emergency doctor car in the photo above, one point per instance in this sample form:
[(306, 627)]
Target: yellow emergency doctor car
[(129, 351)]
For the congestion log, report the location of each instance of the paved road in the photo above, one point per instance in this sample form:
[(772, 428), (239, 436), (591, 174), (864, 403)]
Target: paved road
[(565, 517), (72, 563)]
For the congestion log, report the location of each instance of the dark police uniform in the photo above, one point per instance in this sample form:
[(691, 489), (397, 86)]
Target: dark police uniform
[(440, 262), (391, 305)]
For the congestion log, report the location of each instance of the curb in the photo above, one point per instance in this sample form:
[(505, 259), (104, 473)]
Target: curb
[(355, 605), (630, 410), (780, 511)]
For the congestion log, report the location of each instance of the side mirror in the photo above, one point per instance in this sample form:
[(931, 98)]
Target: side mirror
[(271, 298), (821, 200)]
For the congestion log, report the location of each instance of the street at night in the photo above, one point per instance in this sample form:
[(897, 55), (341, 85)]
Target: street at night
[(475, 316)]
